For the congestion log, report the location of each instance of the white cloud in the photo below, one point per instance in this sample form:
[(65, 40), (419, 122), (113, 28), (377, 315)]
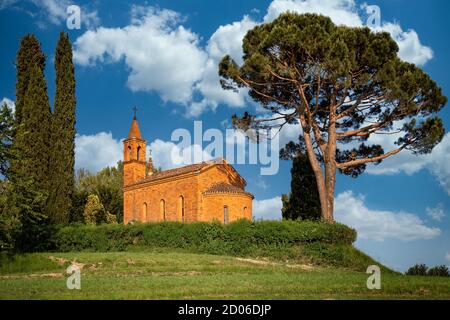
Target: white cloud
[(97, 151), (165, 57), (11, 104), (94, 152), (168, 155), (341, 12), (160, 53), (410, 47), (436, 162), (226, 39), (436, 213), (380, 225), (268, 209), (447, 256), (55, 12)]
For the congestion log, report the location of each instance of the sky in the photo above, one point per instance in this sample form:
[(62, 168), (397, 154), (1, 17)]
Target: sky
[(162, 57)]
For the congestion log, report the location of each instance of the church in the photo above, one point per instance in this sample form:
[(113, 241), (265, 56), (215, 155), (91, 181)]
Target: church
[(207, 191)]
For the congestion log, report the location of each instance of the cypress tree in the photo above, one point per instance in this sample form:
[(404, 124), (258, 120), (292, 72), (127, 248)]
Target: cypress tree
[(28, 55), (62, 157), (28, 174), (303, 202), (32, 138)]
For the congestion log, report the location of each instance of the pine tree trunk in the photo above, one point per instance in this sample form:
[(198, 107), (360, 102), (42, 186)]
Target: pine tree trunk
[(320, 179), (330, 166)]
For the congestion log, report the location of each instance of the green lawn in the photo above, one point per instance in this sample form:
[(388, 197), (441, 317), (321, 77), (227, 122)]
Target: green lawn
[(176, 275)]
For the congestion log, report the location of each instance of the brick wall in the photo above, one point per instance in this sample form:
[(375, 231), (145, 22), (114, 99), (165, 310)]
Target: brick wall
[(143, 202)]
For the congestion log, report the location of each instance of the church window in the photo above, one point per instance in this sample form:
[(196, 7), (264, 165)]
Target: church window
[(144, 212), (162, 208), (138, 153), (181, 208), (225, 214)]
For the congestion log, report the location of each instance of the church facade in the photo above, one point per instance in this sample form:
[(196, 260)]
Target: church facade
[(206, 191)]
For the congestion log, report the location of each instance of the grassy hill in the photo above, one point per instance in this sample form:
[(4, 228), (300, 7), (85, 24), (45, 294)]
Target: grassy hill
[(170, 274), (241, 260)]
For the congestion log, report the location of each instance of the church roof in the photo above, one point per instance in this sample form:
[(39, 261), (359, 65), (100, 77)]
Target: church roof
[(134, 131), (195, 168), (177, 171), (223, 187)]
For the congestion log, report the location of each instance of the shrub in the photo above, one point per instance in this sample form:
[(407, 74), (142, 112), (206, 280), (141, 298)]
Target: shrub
[(417, 270), (237, 238), (439, 271), (422, 270)]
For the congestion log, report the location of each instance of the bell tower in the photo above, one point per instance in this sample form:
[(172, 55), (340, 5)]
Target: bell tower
[(134, 159)]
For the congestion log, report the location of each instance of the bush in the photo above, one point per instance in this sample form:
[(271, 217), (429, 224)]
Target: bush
[(237, 238), (439, 271), (422, 270), (417, 270)]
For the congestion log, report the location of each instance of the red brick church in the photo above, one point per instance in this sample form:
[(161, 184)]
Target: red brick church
[(206, 191)]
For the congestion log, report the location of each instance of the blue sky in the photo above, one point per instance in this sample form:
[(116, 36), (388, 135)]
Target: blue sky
[(162, 57)]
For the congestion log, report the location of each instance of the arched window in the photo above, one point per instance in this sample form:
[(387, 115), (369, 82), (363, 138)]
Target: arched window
[(162, 209), (138, 153), (130, 153), (181, 208), (245, 212), (225, 214), (144, 212)]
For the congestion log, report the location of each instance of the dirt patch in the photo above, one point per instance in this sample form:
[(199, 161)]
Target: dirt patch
[(74, 262), (270, 263), (60, 261), (34, 275)]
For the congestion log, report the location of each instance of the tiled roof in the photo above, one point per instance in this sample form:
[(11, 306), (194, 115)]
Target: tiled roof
[(176, 171), (134, 130), (222, 187)]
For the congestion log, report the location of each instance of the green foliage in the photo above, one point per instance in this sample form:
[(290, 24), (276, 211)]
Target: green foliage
[(6, 136), (24, 215), (340, 255), (23, 225), (237, 238), (439, 271), (94, 212), (62, 148), (9, 223), (106, 184), (333, 63), (422, 270), (340, 85), (417, 270), (30, 262), (303, 201), (28, 56), (31, 190), (31, 142)]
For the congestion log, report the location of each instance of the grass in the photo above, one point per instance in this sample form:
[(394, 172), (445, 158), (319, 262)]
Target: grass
[(175, 274)]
